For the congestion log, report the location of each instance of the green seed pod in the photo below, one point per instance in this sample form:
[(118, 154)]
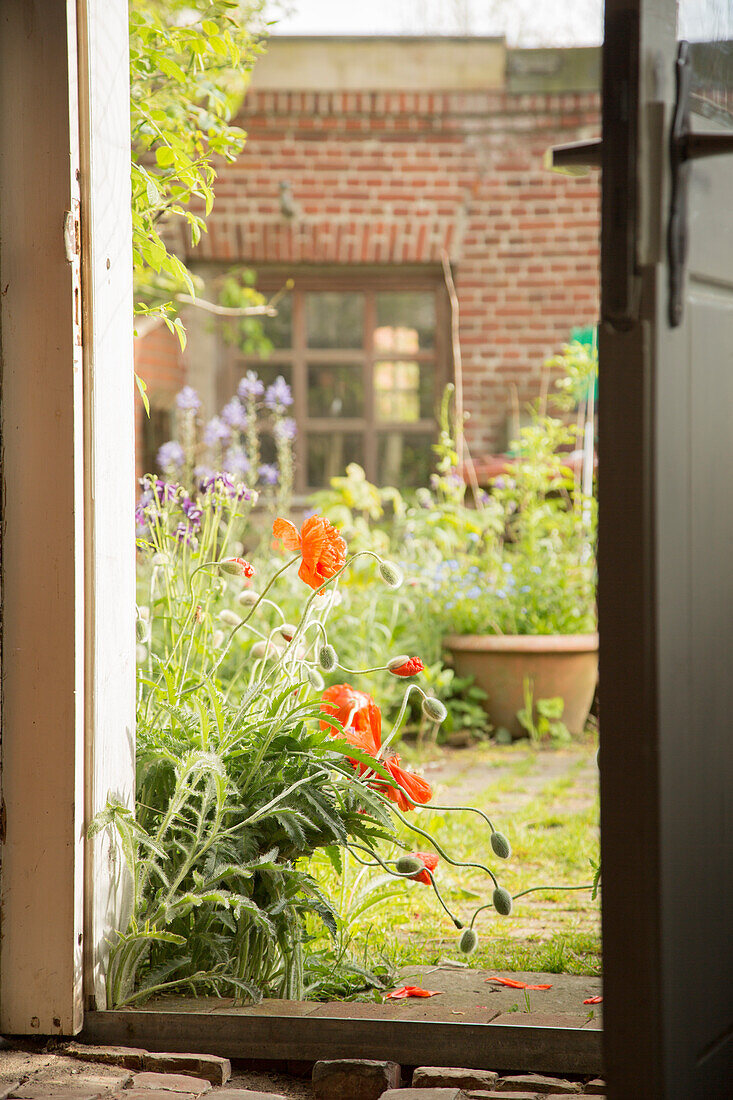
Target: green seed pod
[(248, 597), (391, 575), (502, 900), (500, 844), (327, 657), (229, 617), (434, 709), (142, 629), (468, 942), (409, 865), (316, 679)]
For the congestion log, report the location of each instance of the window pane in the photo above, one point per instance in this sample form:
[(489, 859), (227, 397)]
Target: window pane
[(335, 389), (334, 320), (330, 453), (404, 460), (279, 329), (405, 322), (404, 391)]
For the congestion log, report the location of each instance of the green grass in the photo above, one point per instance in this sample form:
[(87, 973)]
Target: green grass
[(546, 803)]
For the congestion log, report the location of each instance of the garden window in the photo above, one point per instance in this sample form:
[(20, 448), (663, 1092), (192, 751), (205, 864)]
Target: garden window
[(366, 360)]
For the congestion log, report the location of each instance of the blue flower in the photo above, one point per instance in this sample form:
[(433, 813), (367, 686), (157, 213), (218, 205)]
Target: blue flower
[(285, 429), (170, 456), (269, 474), (188, 399), (535, 569), (500, 593), (234, 415), (507, 566), (278, 395), (216, 431), (474, 592), (250, 387), (525, 588)]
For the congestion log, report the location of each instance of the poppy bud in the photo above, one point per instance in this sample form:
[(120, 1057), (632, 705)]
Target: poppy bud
[(217, 638), (316, 679), (237, 567), (160, 559), (229, 617), (248, 597), (405, 666), (288, 631), (468, 942), (265, 649), (391, 575), (141, 653), (502, 900), (434, 709), (141, 630), (327, 657), (409, 865), (500, 844), (143, 612)]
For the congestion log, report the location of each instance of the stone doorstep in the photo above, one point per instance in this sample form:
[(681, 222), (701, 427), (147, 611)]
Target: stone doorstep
[(171, 1083), (597, 1087), (536, 1082), (127, 1057), (205, 1066), (483, 1095), (8, 1086), (154, 1094), (455, 1077), (243, 1094), (425, 1094), (47, 1091), (354, 1079)]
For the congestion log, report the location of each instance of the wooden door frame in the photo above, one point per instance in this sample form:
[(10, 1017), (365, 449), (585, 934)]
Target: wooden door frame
[(68, 482)]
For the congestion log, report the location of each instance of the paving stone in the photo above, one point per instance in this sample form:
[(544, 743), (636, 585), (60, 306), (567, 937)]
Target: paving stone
[(493, 1095), (127, 1057), (597, 1087), (66, 1079), (246, 1094), (445, 1077), (535, 1082), (207, 1066), (424, 1094), (354, 1079), (155, 1094), (170, 1082), (7, 1085), (45, 1091)]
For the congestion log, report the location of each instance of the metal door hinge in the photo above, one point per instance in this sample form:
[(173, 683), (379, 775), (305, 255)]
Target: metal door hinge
[(72, 236), (684, 146)]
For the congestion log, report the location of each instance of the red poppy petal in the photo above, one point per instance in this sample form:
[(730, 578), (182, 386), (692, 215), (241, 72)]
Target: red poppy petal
[(287, 531), (593, 1001), (512, 984), (411, 991)]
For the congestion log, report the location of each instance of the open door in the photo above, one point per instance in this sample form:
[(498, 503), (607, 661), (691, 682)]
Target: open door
[(666, 535)]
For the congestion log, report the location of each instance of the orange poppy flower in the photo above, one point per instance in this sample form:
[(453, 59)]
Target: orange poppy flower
[(431, 861), (322, 547), (411, 991), (418, 788), (358, 714), (405, 666)]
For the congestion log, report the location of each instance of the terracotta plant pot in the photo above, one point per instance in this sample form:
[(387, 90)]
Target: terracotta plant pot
[(564, 665)]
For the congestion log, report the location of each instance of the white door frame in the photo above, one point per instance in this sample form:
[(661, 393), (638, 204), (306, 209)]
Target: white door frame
[(68, 486)]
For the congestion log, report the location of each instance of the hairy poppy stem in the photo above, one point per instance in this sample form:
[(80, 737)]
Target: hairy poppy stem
[(531, 890), (398, 874), (441, 851)]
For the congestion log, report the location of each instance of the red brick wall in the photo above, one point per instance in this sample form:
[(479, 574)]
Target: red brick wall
[(395, 178), (159, 363)]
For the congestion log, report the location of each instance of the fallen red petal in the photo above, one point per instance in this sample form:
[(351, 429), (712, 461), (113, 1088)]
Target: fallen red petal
[(411, 991), (517, 985), (593, 1001)]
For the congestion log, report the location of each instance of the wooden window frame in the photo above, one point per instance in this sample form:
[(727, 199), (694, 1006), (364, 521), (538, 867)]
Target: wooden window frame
[(368, 281)]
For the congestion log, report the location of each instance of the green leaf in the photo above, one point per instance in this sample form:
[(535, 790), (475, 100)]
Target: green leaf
[(164, 156)]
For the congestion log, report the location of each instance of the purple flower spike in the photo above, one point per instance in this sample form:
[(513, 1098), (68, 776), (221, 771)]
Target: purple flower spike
[(188, 399), (234, 415), (269, 474), (216, 431), (236, 462), (184, 533), (278, 395), (285, 429), (250, 387), (170, 456)]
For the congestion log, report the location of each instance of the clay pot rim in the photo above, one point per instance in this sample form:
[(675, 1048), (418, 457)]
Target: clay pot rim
[(522, 643)]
